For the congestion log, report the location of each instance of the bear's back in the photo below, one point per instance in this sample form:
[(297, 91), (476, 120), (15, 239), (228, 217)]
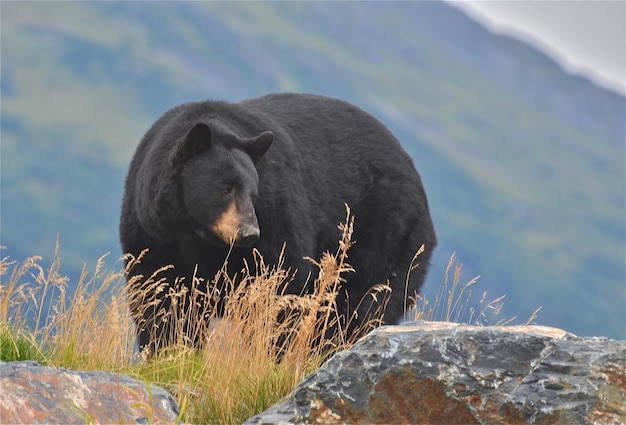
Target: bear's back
[(326, 119), (329, 137)]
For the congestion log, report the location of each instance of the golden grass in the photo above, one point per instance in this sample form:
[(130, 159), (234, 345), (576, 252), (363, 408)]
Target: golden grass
[(453, 302), (266, 342), (91, 329)]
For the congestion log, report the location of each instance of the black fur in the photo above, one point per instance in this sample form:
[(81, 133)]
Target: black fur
[(324, 153)]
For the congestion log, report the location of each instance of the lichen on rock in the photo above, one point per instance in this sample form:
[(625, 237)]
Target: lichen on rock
[(31, 393)]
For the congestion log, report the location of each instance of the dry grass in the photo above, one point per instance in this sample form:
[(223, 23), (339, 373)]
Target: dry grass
[(453, 302), (266, 342), (89, 329)]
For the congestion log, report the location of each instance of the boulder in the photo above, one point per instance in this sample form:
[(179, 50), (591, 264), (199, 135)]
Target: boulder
[(433, 372), (34, 394)]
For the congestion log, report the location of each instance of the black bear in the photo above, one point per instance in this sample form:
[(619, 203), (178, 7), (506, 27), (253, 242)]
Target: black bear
[(211, 179)]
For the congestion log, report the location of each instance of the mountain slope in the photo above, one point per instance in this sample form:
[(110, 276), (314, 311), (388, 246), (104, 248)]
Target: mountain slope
[(523, 163)]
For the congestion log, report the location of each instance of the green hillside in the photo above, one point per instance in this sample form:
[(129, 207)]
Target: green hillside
[(523, 163)]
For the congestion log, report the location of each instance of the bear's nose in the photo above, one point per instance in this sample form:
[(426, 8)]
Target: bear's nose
[(247, 236)]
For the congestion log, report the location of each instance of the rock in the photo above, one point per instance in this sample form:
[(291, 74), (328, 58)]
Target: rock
[(34, 394), (432, 372)]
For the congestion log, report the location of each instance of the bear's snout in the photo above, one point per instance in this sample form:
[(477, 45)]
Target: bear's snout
[(247, 236)]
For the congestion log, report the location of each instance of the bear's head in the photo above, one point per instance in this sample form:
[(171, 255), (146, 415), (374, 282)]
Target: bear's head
[(218, 183)]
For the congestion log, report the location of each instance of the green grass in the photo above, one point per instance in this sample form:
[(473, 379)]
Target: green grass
[(17, 346)]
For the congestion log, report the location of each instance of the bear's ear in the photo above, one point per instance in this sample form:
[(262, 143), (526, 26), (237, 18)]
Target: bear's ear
[(256, 147), (196, 141)]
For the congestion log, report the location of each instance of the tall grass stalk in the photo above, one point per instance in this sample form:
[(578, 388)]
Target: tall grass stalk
[(453, 302)]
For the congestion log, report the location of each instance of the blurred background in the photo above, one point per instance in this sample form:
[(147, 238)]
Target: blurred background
[(520, 147)]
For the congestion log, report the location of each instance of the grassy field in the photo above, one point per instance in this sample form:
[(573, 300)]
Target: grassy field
[(240, 369)]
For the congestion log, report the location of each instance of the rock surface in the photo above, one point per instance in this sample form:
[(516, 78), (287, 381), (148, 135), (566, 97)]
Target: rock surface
[(420, 372), (432, 372), (34, 394)]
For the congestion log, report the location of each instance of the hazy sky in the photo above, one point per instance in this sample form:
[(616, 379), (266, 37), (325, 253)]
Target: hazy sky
[(587, 36)]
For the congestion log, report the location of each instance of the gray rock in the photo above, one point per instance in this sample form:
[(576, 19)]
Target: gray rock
[(34, 394), (432, 372)]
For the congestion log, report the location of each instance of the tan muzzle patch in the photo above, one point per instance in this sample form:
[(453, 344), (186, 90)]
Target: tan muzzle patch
[(227, 225)]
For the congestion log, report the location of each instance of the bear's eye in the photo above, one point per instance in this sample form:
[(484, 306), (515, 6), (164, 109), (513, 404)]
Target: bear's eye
[(228, 191)]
